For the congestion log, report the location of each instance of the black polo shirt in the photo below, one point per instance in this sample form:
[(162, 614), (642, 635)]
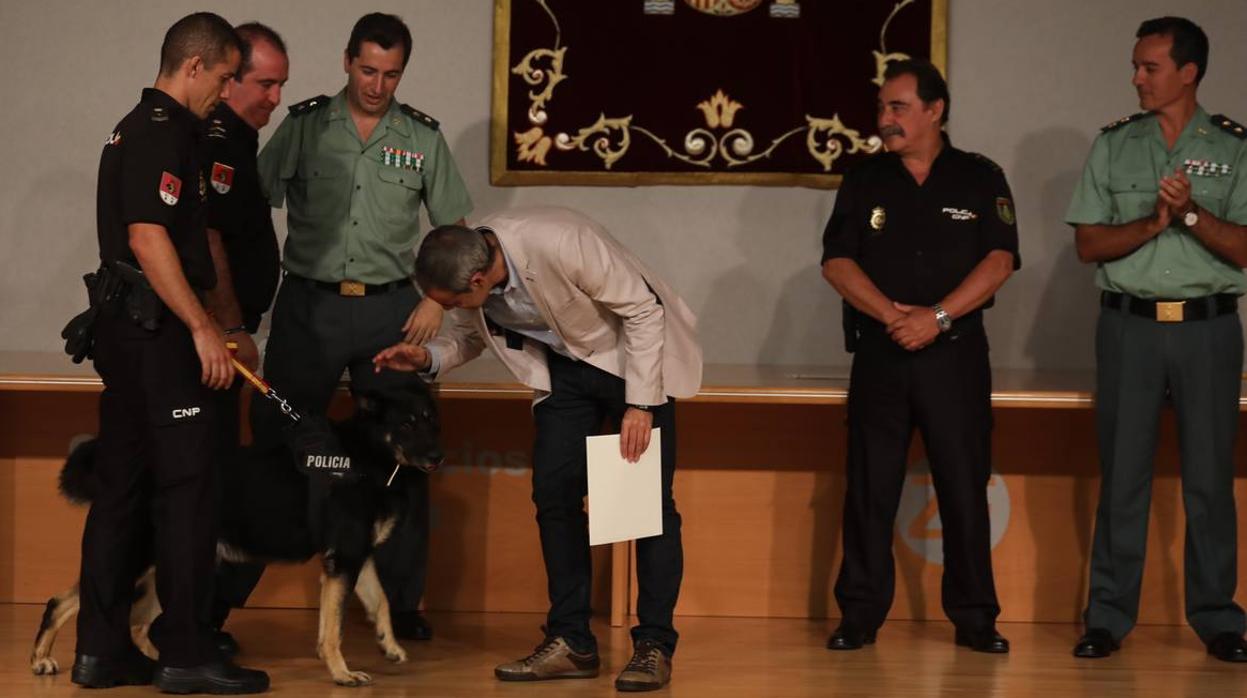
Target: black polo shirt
[(918, 243), (150, 173), (238, 210)]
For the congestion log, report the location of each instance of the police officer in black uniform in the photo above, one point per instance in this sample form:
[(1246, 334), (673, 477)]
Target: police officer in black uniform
[(159, 352), (920, 240), (244, 248)]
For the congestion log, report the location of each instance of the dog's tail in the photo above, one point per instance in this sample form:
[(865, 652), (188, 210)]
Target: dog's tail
[(78, 483)]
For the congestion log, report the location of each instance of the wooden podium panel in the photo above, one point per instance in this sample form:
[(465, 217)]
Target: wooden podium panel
[(485, 553), (761, 492), (760, 486)]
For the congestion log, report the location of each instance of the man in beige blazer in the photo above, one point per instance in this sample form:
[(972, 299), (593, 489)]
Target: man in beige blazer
[(581, 321)]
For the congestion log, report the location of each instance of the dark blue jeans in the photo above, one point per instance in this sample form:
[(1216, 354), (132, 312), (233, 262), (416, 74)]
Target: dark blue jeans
[(582, 398)]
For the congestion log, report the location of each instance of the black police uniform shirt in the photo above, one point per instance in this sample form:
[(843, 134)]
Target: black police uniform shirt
[(150, 173), (238, 210), (918, 243)]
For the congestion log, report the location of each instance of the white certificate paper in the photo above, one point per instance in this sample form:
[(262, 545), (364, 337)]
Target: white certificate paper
[(625, 499)]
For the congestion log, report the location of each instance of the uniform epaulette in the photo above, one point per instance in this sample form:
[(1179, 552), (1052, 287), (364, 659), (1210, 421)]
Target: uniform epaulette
[(1230, 126), (1123, 121), (308, 106), (216, 129), (419, 116), (986, 161)]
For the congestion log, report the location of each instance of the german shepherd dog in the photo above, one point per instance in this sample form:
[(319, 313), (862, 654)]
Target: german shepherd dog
[(272, 512)]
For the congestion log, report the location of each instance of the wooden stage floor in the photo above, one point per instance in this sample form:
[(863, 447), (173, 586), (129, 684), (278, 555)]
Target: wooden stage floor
[(718, 658)]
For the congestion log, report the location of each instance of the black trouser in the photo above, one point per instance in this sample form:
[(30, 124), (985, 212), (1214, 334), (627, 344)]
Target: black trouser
[(582, 397), (234, 580), (316, 335), (157, 493), (1196, 366), (945, 391)]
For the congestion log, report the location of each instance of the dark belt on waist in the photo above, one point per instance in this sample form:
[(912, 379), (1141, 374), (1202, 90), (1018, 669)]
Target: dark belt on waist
[(1188, 310), (351, 288)]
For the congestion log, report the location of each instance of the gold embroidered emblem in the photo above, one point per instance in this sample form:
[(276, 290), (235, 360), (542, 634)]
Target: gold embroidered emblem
[(725, 8)]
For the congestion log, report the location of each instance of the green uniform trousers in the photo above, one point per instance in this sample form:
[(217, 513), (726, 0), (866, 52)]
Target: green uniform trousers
[(1196, 366)]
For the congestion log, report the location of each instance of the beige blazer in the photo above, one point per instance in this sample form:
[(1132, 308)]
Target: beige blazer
[(601, 301)]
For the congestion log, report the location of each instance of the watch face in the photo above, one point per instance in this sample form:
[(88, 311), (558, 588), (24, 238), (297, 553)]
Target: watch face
[(1190, 219)]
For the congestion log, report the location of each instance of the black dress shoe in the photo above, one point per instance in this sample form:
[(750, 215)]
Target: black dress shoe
[(988, 641), (847, 637), (1096, 643), (98, 672), (411, 625), (1228, 647), (225, 643), (218, 678)]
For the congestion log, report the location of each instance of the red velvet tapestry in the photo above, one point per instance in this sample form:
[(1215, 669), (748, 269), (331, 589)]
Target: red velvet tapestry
[(632, 92)]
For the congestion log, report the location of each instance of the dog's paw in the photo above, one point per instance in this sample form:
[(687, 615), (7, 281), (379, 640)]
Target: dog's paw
[(395, 654), (352, 678), (45, 666)]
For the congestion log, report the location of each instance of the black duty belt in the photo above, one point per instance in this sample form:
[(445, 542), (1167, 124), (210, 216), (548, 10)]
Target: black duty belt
[(351, 288), (1188, 310)]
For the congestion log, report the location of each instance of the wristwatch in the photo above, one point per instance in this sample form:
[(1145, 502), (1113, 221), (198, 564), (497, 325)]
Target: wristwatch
[(1191, 218), (942, 319), (643, 408)]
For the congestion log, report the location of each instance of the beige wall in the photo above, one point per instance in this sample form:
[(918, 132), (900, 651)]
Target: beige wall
[(1031, 83)]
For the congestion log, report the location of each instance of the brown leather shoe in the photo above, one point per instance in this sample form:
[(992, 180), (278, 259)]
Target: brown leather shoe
[(553, 659), (649, 670)]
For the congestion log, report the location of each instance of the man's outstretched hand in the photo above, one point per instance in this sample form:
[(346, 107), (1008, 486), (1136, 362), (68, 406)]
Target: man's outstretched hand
[(402, 357)]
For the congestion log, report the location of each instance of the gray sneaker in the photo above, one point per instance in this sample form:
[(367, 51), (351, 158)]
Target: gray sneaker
[(649, 670), (553, 659)]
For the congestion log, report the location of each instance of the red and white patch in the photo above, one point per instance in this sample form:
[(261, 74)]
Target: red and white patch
[(222, 178), (170, 188)]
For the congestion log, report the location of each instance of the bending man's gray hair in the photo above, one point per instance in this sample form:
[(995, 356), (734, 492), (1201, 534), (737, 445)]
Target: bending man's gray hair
[(449, 256)]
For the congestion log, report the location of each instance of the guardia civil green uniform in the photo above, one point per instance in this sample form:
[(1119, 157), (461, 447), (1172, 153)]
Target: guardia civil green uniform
[(353, 223), (1168, 329)]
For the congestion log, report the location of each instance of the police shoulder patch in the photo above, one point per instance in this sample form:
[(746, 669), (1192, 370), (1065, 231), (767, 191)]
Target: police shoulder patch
[(991, 164), (308, 106), (419, 116), (1123, 121), (1230, 126)]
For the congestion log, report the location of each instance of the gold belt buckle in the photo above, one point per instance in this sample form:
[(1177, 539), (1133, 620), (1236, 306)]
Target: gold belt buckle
[(1169, 311), (357, 288)]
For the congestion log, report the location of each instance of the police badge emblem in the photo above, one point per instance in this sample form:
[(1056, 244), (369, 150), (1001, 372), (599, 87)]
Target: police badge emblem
[(1004, 209), (170, 188), (878, 218), (222, 178)]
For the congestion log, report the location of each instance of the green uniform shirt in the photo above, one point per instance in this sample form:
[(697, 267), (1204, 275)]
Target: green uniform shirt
[(353, 207), (1120, 183)]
